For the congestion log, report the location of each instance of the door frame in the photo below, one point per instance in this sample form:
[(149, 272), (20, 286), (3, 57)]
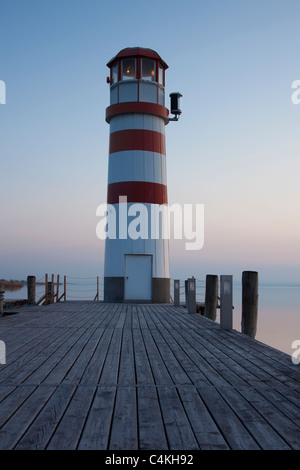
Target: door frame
[(151, 286)]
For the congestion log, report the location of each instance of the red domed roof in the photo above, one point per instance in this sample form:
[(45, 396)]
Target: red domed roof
[(137, 52)]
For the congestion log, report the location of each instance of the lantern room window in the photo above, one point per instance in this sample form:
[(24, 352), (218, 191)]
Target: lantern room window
[(128, 69), (115, 73), (161, 75), (148, 69)]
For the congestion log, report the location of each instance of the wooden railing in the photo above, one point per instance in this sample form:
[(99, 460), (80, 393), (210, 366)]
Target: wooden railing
[(53, 294)]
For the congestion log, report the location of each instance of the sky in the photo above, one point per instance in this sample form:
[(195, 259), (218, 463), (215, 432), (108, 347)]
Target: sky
[(235, 148)]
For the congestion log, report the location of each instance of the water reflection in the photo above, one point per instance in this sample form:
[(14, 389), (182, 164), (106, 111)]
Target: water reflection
[(278, 315)]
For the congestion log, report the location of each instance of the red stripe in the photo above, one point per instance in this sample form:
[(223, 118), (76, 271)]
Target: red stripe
[(137, 107), (137, 191), (137, 139)]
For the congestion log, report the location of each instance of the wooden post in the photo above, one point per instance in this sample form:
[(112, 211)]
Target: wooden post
[(31, 285), (249, 302), (52, 289), (97, 288), (50, 292), (57, 288), (211, 296), (46, 289), (191, 295), (2, 292), (65, 288), (226, 306), (176, 293), (186, 294)]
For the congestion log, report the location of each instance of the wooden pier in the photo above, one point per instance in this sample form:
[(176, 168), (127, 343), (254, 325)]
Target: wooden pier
[(90, 375)]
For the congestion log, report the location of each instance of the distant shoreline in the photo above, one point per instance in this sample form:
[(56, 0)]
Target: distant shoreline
[(4, 284)]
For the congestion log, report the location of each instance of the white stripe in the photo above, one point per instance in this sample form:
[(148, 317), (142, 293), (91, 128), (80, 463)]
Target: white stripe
[(137, 165), (137, 121), (115, 250)]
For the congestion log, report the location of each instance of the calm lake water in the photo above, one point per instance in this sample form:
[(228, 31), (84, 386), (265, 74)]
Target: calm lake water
[(278, 309)]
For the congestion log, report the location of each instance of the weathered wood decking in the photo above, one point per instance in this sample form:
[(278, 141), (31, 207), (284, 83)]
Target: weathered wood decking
[(88, 375)]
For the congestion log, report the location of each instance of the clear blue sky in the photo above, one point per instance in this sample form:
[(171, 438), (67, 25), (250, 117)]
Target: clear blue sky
[(235, 148)]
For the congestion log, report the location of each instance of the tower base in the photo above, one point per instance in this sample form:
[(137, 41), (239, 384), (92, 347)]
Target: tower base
[(114, 291)]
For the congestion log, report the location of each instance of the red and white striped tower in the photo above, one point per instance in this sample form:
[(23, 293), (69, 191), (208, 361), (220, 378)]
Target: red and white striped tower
[(137, 268)]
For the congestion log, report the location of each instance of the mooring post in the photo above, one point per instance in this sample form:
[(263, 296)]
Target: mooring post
[(186, 294), (226, 306), (191, 283), (52, 288), (31, 287), (46, 289), (2, 292), (57, 288), (249, 302), (211, 296), (50, 292), (65, 288), (176, 293)]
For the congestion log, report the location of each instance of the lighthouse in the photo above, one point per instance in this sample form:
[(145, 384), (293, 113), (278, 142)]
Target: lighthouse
[(136, 267)]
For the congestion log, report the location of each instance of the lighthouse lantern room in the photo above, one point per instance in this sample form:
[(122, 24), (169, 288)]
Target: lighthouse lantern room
[(136, 267)]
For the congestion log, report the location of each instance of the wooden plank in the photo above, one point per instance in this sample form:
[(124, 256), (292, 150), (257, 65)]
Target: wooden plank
[(205, 429), (184, 355), (110, 371), (95, 434), (285, 397), (218, 360), (135, 316), (94, 367), (61, 369), (208, 362), (142, 319), (19, 345), (124, 432), (5, 390), (12, 431), (128, 319), (234, 432), (69, 430), (151, 427), (174, 367), (261, 364), (142, 366), (40, 431), (10, 402), (177, 426), (126, 368), (78, 368), (23, 364), (284, 426), (155, 363), (266, 437), (147, 311), (160, 372), (239, 364), (50, 357)]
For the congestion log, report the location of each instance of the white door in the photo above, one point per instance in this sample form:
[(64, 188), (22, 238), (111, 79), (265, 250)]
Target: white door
[(138, 277)]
